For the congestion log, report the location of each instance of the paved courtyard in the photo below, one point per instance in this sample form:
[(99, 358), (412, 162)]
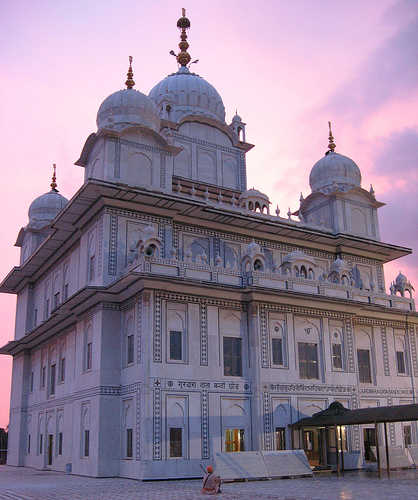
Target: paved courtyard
[(29, 484)]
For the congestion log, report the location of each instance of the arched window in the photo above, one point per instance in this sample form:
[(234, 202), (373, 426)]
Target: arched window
[(400, 355), (278, 355), (40, 435), (91, 259), (29, 435), (130, 335), (258, 265), (60, 435), (308, 340), (177, 427), (336, 341), (128, 425), (176, 333), (42, 378), (235, 424), (47, 302), (364, 359), (88, 349), (61, 375), (85, 452), (56, 292), (66, 278), (52, 371)]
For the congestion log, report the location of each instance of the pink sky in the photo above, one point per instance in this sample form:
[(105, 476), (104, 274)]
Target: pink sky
[(288, 67)]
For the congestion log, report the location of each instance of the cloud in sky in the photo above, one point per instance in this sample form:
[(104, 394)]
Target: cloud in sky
[(397, 156), (396, 160), (389, 73)]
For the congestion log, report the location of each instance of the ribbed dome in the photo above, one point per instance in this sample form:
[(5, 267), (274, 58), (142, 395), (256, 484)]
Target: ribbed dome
[(334, 171), (191, 95), (401, 279), (254, 193), (253, 248), (298, 255), (126, 108), (339, 265), (45, 208)]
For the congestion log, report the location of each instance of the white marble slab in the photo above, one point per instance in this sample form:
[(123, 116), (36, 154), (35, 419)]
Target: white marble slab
[(240, 465), (287, 463), (398, 457)]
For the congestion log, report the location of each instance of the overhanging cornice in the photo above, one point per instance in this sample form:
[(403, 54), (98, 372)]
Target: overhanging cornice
[(95, 195)]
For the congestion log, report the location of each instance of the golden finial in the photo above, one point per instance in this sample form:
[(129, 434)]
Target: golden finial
[(183, 57), (54, 179), (331, 145), (130, 82)]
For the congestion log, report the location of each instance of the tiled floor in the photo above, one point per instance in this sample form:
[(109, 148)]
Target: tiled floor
[(28, 484)]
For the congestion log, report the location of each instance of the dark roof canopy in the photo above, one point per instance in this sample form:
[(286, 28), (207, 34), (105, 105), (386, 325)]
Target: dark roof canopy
[(337, 414)]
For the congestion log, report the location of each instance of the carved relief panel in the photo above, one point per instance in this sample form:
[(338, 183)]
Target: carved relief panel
[(206, 165), (363, 276), (231, 255), (140, 168), (230, 172), (196, 249), (134, 234), (183, 160)]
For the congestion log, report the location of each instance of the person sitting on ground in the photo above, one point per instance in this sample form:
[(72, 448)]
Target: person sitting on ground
[(211, 483)]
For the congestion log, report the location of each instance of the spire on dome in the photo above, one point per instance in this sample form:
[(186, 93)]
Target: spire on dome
[(331, 145), (130, 82), (54, 179), (183, 57)]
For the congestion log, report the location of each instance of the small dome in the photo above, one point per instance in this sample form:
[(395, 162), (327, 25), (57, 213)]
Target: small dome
[(298, 255), (236, 118), (126, 108), (334, 171), (254, 193), (339, 265), (149, 232), (191, 95), (253, 248), (401, 279), (254, 200), (45, 208)]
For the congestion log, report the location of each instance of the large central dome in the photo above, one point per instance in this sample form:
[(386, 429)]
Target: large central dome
[(183, 93), (190, 95)]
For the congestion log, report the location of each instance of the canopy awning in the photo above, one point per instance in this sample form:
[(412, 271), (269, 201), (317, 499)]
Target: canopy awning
[(337, 414)]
